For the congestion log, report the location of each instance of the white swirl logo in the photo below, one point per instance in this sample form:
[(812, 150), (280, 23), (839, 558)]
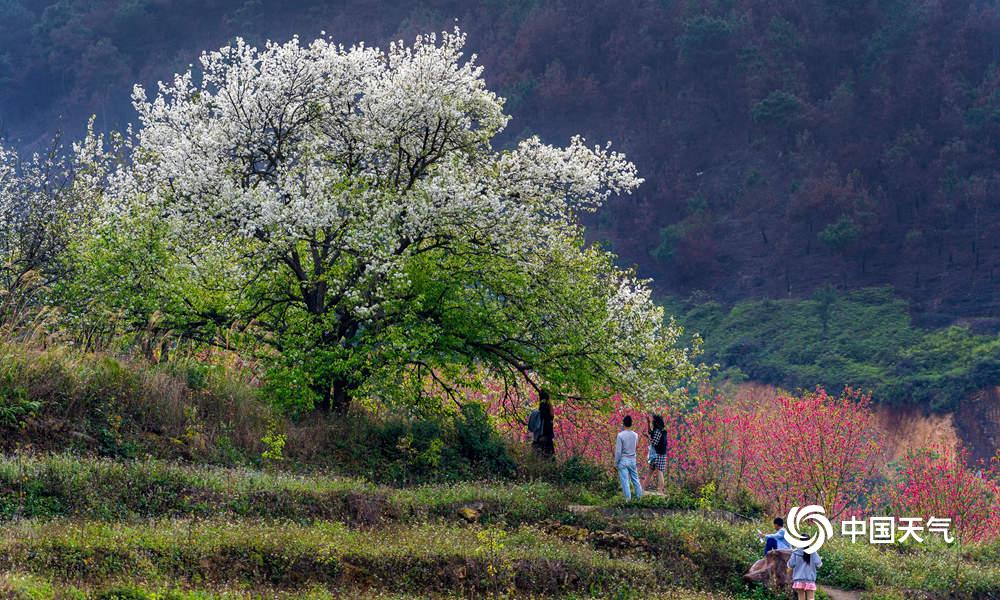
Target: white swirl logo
[(800, 515)]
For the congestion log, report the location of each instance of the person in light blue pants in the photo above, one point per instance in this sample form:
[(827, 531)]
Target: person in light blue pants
[(625, 445)]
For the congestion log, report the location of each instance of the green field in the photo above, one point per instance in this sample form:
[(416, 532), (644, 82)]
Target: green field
[(90, 528), (122, 479)]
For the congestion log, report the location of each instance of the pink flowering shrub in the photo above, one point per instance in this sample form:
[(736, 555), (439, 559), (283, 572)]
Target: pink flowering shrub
[(783, 451), (812, 449), (815, 448), (581, 429), (703, 442), (938, 483), (787, 451)]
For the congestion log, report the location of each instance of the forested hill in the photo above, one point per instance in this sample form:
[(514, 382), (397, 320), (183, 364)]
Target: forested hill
[(786, 144)]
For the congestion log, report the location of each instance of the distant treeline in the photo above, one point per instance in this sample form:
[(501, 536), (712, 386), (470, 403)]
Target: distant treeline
[(786, 145)]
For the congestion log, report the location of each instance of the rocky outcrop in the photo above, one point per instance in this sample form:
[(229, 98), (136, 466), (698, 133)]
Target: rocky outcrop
[(978, 422), (772, 571), (909, 428)]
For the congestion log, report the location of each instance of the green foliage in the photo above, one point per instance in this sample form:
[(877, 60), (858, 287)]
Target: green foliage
[(480, 444), (417, 559), (863, 339), (145, 522), (499, 568), (395, 450), (287, 387), (746, 505), (910, 571), (706, 40), (778, 108), (58, 399), (670, 236), (117, 281), (421, 449), (710, 553), (697, 205), (707, 496), (840, 234), (127, 592), (274, 444), (103, 490), (945, 366), (15, 406), (785, 37), (578, 470)]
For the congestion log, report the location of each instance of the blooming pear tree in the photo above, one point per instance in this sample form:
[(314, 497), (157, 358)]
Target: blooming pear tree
[(45, 200), (346, 209)]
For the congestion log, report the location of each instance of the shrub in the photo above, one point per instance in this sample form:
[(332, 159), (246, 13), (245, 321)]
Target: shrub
[(829, 449), (938, 483), (840, 234), (706, 40), (56, 398), (864, 339), (578, 470), (703, 552), (571, 471), (419, 449), (480, 444), (779, 107), (930, 570), (670, 237), (16, 408), (124, 593)]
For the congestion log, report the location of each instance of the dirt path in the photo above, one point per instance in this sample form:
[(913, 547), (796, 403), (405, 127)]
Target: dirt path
[(839, 594)]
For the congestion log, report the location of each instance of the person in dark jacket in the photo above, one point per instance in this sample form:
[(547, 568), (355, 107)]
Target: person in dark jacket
[(544, 441)]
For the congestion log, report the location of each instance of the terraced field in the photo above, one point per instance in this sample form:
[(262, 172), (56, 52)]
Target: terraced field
[(81, 528)]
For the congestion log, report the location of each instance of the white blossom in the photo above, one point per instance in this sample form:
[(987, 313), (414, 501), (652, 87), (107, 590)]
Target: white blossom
[(340, 164)]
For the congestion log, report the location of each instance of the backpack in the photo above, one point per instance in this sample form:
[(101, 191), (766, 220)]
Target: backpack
[(661, 444), (535, 425)]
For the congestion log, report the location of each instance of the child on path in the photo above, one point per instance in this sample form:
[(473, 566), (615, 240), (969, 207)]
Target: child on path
[(625, 445), (803, 566)]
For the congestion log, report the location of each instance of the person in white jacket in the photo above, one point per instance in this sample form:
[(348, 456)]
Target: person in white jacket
[(625, 445)]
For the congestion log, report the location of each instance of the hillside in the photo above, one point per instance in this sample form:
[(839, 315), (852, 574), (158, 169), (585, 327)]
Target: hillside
[(786, 145), (341, 321), (122, 480), (151, 530)]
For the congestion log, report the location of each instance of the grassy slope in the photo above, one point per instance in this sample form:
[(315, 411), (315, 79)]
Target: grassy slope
[(98, 525), (863, 338)]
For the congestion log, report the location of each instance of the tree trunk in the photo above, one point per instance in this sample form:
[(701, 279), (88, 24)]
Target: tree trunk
[(340, 398), (336, 394)]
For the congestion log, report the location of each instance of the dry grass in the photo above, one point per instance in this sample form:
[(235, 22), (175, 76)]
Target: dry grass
[(112, 405)]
